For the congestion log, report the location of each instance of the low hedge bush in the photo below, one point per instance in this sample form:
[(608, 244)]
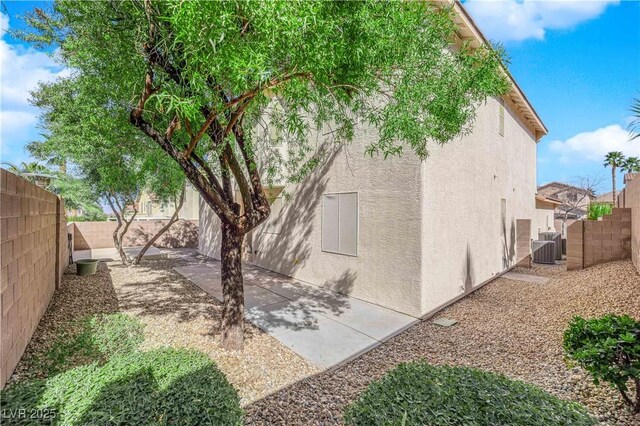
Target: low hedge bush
[(609, 349), (166, 386), (418, 393)]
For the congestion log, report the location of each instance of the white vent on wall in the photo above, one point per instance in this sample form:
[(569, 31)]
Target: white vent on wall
[(340, 223)]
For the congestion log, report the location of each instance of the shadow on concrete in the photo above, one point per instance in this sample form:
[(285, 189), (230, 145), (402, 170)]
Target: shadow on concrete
[(303, 301), (283, 244)]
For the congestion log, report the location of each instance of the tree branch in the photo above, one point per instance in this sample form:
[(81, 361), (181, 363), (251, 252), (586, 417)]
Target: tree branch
[(193, 174)]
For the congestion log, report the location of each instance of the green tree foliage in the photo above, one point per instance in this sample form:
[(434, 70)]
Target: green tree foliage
[(74, 191), (417, 393), (77, 195), (114, 164), (634, 126), (631, 165), (609, 349), (199, 78), (32, 171), (597, 210)]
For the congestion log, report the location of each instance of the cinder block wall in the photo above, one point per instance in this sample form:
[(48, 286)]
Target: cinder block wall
[(591, 242), (93, 235), (575, 252), (33, 259), (632, 201)]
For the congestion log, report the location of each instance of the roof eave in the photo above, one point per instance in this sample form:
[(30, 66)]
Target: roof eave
[(469, 31)]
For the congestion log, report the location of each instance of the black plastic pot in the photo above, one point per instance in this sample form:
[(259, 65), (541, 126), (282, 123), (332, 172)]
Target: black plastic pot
[(87, 266)]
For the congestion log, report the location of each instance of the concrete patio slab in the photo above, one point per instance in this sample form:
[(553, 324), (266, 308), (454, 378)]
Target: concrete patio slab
[(527, 278), (112, 254), (329, 344), (325, 327), (255, 297), (281, 318), (204, 276)]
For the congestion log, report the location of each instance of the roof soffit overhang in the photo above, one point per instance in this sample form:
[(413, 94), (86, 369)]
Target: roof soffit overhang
[(469, 32)]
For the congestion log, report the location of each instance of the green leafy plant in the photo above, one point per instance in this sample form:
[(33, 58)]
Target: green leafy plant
[(418, 393), (609, 349), (166, 386), (597, 210), (99, 338)]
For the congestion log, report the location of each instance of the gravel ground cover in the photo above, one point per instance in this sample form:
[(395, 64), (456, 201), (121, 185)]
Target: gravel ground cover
[(176, 313), (510, 327)]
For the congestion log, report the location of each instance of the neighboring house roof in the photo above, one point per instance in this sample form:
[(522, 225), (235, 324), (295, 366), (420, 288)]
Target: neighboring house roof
[(553, 188), (629, 176), (468, 31), (607, 197), (549, 200)]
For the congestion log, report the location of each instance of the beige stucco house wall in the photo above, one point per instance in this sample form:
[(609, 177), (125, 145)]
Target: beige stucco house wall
[(544, 218), (150, 208), (428, 232)]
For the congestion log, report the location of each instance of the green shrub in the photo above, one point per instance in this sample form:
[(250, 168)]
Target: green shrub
[(421, 394), (597, 210), (166, 386), (100, 337), (609, 349)]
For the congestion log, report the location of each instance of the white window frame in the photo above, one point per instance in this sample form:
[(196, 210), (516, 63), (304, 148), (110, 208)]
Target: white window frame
[(357, 222)]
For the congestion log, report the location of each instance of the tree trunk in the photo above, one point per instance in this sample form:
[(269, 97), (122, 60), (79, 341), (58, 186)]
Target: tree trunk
[(232, 288), (116, 242), (613, 179), (127, 223), (174, 219)]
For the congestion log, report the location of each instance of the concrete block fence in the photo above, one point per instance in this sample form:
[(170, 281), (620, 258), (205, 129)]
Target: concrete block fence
[(591, 242), (94, 235), (631, 199), (33, 257)]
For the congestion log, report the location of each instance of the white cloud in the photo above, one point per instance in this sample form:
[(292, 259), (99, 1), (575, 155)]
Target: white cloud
[(505, 20), (594, 145), (21, 68), (12, 121)]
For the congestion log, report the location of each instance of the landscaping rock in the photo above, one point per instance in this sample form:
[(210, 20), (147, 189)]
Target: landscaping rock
[(176, 313), (510, 327)]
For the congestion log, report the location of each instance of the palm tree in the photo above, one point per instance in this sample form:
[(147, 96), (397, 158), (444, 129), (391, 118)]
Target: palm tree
[(614, 159), (33, 172), (631, 165), (634, 126)]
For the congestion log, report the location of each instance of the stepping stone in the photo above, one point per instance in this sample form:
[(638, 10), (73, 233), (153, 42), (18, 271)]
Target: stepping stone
[(527, 278), (444, 322)]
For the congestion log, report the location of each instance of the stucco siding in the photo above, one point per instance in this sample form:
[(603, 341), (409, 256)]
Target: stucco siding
[(544, 222), (465, 239), (210, 236), (386, 269), (428, 232), (544, 219)]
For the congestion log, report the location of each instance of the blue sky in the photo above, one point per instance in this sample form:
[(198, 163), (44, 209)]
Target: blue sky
[(577, 61)]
